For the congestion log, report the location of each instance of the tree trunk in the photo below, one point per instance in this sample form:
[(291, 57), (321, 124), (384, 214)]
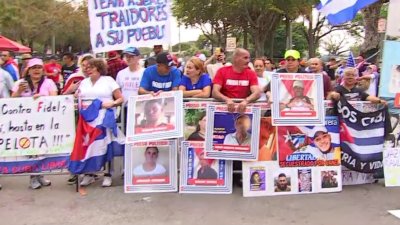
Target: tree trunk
[(371, 15), (310, 39), (245, 39)]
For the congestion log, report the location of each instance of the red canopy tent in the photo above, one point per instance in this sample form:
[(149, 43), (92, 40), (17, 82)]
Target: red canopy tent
[(9, 45)]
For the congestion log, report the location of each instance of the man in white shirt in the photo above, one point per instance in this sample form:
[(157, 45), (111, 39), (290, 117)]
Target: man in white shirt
[(6, 82), (241, 136), (129, 78), (219, 56)]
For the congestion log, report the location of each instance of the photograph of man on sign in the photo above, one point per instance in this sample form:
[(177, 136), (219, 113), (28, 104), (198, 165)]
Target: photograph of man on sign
[(299, 102), (156, 115), (241, 136)]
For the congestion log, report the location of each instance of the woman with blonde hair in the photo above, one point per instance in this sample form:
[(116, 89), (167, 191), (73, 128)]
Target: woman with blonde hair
[(73, 81), (195, 83)]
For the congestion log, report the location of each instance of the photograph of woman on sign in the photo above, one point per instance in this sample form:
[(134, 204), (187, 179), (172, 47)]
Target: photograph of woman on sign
[(200, 132), (150, 167), (155, 116)]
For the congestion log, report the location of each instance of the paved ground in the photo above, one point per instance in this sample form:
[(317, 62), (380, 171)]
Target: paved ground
[(60, 204)]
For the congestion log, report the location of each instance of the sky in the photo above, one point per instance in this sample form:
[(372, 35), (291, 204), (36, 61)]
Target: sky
[(187, 34)]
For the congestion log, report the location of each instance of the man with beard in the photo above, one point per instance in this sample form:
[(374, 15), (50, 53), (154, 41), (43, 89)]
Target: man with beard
[(241, 136), (282, 185)]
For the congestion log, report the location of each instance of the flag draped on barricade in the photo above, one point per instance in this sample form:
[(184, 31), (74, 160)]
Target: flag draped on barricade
[(97, 141), (362, 137)]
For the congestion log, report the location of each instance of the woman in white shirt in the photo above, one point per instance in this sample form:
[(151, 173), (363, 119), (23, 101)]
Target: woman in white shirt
[(263, 76), (99, 86)]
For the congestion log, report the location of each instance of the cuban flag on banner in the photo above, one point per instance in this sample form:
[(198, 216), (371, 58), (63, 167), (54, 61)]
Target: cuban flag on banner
[(341, 11), (97, 140)]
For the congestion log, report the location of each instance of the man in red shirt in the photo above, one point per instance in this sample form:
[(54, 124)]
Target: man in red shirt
[(236, 81), (53, 70), (115, 64)]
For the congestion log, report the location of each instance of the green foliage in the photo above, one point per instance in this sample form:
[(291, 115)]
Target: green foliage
[(192, 116), (299, 41)]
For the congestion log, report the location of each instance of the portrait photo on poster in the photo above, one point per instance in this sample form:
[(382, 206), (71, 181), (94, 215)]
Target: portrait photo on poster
[(329, 179), (297, 99), (201, 175), (282, 182), (305, 146), (195, 124), (268, 140), (151, 165), (155, 117), (395, 79), (305, 180), (257, 179)]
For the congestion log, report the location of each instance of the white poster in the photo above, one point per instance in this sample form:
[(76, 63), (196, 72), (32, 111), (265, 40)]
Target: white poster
[(37, 127), (391, 166), (151, 167), (114, 25), (393, 26)]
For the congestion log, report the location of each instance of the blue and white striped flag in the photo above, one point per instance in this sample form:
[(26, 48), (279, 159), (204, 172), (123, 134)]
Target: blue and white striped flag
[(350, 61), (341, 11)]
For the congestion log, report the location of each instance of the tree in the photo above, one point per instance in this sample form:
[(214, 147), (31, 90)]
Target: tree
[(335, 45), (299, 41)]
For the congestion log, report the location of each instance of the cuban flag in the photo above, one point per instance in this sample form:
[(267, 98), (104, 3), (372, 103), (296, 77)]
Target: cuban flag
[(341, 11), (97, 140), (362, 136)]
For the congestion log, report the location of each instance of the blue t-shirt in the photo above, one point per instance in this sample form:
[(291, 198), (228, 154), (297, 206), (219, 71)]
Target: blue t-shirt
[(153, 81), (203, 82)]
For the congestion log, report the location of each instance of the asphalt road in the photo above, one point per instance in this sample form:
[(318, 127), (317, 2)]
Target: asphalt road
[(60, 204)]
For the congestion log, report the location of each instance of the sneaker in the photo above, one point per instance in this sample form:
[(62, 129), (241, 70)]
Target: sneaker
[(107, 181), (72, 179), (87, 180), (34, 183), (43, 181)]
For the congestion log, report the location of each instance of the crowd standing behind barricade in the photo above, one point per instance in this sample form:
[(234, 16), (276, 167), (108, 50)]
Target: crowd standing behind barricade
[(113, 80)]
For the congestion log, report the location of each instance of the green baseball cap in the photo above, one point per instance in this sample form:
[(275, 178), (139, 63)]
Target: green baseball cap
[(292, 53)]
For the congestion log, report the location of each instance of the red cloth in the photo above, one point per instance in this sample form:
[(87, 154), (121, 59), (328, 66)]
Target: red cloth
[(114, 66), (327, 84), (51, 68), (235, 85)]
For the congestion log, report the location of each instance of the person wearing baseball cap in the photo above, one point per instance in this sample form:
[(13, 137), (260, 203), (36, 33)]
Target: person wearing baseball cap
[(299, 102), (163, 76), (322, 147), (129, 78), (35, 84), (292, 65)]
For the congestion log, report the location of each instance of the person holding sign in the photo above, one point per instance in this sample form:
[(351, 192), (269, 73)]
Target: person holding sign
[(104, 88), (161, 77), (237, 81), (195, 83), (35, 84)]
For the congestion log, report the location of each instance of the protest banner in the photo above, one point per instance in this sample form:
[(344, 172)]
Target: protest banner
[(390, 76), (232, 136), (44, 126), (200, 175), (151, 167), (362, 137), (309, 146), (114, 25), (268, 179), (391, 166), (298, 99), (155, 117)]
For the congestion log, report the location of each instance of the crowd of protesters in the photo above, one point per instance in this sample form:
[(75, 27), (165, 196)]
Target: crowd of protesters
[(121, 75)]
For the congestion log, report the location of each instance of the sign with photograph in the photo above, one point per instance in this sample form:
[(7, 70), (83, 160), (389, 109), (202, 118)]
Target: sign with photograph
[(268, 179), (155, 117), (195, 120), (230, 44), (298, 99), (308, 146), (232, 136), (151, 166), (42, 126), (390, 75), (201, 175)]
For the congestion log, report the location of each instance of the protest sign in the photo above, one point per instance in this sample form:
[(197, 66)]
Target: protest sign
[(301, 146), (195, 120), (268, 140), (391, 166), (232, 136), (390, 76), (200, 175), (33, 164), (298, 99), (362, 137), (43, 126), (268, 179), (114, 25), (155, 117), (230, 44), (151, 166)]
